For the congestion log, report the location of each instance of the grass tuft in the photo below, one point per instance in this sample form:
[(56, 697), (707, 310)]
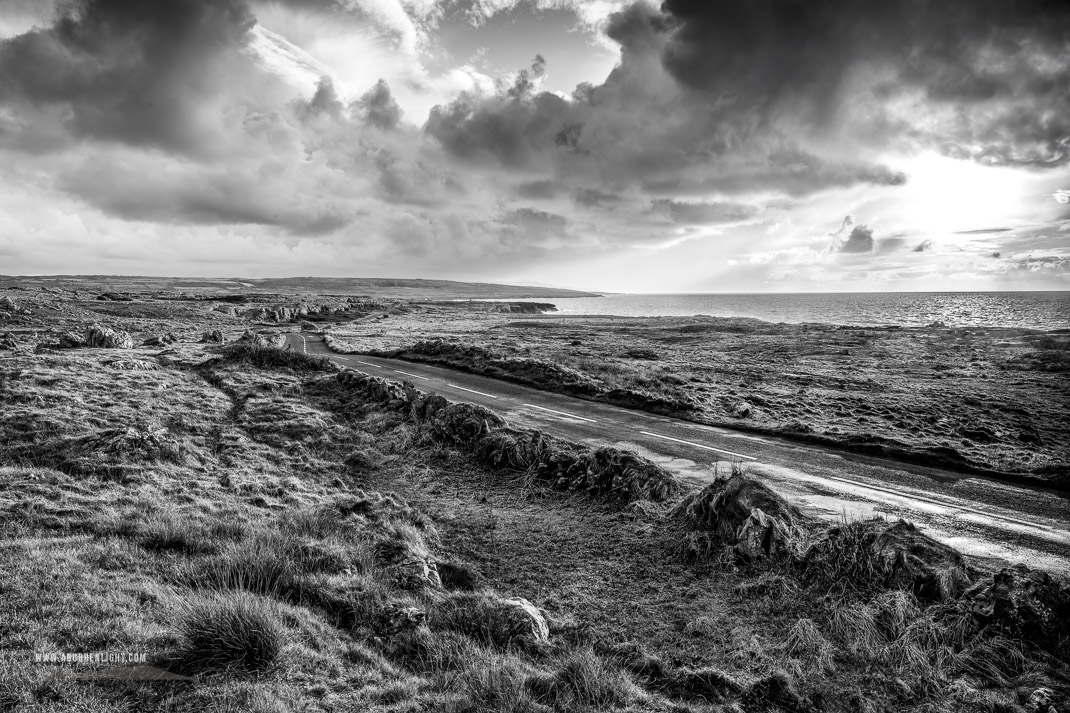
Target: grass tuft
[(229, 630)]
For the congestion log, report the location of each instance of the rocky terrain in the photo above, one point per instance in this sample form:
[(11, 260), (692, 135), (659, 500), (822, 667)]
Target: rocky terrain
[(278, 534), (989, 400)]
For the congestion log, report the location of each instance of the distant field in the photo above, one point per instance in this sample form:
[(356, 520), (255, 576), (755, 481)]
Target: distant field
[(369, 286)]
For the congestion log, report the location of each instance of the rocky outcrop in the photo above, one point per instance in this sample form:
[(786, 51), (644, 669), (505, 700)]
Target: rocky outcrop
[(1025, 603), (350, 309), (8, 305), (261, 340), (888, 555), (743, 512), (157, 341), (98, 337), (464, 423), (70, 340), (213, 337), (494, 620), (512, 307), (107, 338), (374, 388), (8, 343), (394, 619), (562, 464)]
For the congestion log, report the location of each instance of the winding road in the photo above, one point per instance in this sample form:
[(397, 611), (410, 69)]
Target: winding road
[(983, 518)]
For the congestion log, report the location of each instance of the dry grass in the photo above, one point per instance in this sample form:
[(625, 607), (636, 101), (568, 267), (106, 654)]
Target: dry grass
[(224, 630), (290, 519)]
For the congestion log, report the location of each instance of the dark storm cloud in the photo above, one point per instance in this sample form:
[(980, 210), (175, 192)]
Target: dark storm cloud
[(513, 128), (639, 128), (378, 107), (773, 58), (859, 241), (703, 213), (125, 70)]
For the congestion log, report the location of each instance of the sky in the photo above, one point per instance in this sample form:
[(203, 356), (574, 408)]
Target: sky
[(687, 146)]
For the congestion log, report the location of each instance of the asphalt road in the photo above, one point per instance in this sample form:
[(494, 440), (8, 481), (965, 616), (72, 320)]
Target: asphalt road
[(983, 518)]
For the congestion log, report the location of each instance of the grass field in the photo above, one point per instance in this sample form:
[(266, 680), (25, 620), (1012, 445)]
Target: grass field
[(289, 539)]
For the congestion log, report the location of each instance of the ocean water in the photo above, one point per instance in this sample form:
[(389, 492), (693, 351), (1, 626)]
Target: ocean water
[(1031, 310)]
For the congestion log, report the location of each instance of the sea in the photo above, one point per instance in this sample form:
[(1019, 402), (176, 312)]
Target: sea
[(1028, 310)]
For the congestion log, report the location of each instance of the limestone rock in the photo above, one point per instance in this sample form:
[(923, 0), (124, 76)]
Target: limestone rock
[(394, 619), (417, 572), (526, 619), (1023, 602), (464, 423), (742, 409), (744, 512), (107, 338), (70, 340), (760, 536)]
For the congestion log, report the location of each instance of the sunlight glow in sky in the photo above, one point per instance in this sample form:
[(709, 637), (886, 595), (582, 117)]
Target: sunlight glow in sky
[(611, 145)]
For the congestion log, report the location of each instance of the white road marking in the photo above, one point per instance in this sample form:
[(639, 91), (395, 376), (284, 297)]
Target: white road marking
[(941, 503), (561, 413), (471, 391), (367, 364), (415, 376), (698, 445)]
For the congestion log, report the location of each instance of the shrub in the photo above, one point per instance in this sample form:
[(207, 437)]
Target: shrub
[(229, 630)]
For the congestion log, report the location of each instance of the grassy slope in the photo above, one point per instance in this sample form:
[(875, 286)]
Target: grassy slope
[(228, 512)]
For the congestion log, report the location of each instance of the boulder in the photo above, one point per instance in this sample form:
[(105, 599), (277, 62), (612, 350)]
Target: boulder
[(70, 340), (744, 512), (526, 619), (259, 340), (375, 388), (8, 343), (742, 409), (417, 572), (8, 305), (1023, 602), (213, 337), (889, 555), (761, 535), (394, 619), (107, 338), (464, 423)]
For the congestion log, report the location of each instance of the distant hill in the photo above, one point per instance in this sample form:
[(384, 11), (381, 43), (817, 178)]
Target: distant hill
[(370, 286)]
